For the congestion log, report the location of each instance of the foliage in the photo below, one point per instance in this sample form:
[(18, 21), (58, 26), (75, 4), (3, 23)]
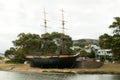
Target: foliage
[(105, 41), (116, 37), (80, 44), (91, 54), (57, 43), (116, 26), (11, 51), (83, 42), (28, 42), (83, 53), (113, 42), (47, 44), (116, 46)]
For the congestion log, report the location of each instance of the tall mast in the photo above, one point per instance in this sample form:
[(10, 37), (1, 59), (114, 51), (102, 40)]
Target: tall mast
[(45, 37), (45, 22), (63, 27), (63, 22)]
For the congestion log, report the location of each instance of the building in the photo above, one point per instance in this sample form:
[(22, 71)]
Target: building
[(105, 54), (91, 47)]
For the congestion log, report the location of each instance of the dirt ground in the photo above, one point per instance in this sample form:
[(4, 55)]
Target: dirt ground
[(105, 69)]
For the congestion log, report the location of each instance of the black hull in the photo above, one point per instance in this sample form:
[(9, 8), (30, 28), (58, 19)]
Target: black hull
[(65, 62)]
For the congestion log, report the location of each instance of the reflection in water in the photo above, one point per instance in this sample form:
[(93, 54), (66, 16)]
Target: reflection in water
[(116, 77), (4, 75), (94, 77)]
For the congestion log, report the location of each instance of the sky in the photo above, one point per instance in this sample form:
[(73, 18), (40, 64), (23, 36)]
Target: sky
[(83, 18)]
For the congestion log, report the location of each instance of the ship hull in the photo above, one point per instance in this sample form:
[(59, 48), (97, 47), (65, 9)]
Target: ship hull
[(54, 62)]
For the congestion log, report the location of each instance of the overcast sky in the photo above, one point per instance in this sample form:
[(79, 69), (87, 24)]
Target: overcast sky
[(84, 18)]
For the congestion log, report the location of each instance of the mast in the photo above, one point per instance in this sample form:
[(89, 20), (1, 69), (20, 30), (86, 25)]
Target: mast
[(63, 27), (63, 21), (45, 37), (45, 22)]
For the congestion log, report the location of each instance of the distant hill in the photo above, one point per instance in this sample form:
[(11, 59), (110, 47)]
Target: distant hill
[(83, 42)]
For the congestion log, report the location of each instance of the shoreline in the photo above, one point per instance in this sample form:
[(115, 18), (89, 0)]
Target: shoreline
[(105, 69)]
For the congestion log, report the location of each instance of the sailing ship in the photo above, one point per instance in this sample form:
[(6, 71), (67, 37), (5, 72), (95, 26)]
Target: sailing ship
[(60, 60)]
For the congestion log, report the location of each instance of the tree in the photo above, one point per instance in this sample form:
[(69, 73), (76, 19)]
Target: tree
[(91, 54), (47, 44), (28, 42), (116, 25), (105, 41), (81, 44), (25, 44), (83, 53), (9, 52), (116, 46), (63, 42), (116, 37)]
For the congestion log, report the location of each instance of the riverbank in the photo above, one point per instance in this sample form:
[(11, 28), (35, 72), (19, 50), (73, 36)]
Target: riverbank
[(105, 69)]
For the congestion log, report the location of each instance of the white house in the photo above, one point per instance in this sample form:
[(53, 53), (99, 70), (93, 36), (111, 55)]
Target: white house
[(106, 53)]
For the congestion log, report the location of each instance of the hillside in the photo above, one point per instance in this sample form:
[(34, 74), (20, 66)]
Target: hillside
[(83, 42)]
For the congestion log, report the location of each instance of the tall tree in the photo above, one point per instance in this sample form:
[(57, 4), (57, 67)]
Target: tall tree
[(116, 37), (105, 41), (116, 26)]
